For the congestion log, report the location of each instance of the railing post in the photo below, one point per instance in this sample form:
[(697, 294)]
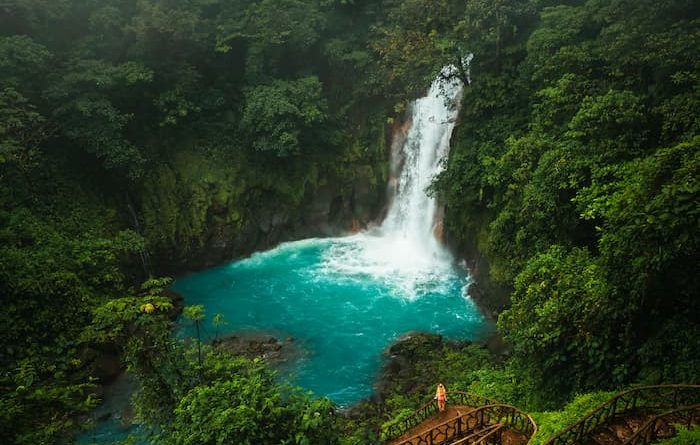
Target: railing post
[(581, 430), (675, 397), (657, 424), (649, 433)]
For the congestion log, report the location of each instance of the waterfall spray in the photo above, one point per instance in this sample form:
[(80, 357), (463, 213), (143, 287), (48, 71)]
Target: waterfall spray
[(411, 216), (404, 250)]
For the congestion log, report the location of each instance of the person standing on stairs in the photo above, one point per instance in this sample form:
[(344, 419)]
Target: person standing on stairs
[(441, 396)]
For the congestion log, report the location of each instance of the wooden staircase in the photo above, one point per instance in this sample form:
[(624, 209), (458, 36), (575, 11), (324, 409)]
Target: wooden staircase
[(637, 416), (638, 429), (463, 424)]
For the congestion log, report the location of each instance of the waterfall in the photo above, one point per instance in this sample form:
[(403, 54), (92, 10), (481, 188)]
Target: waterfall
[(411, 217), (404, 251), (346, 298)]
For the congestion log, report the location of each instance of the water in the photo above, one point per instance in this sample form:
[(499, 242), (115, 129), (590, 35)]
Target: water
[(410, 222), (341, 315), (345, 300), (117, 410)]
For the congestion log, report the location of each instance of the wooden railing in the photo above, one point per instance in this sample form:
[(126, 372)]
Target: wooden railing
[(491, 435), (652, 429), (483, 424), (488, 435), (647, 397), (430, 407)]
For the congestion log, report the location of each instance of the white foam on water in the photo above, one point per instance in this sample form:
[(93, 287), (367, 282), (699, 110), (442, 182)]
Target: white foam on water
[(408, 272), (290, 249)]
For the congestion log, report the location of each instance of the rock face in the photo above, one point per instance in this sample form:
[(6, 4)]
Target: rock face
[(490, 297), (327, 212), (196, 213), (403, 369), (197, 209), (102, 362), (274, 351)]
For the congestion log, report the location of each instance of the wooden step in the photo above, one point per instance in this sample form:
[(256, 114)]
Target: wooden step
[(605, 437), (478, 434)]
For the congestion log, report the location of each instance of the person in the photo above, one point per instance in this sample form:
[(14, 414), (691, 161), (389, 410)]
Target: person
[(441, 396)]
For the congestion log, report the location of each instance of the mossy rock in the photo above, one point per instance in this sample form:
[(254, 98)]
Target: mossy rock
[(416, 345)]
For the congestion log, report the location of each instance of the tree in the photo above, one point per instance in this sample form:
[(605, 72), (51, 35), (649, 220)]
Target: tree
[(572, 168), (559, 325), (247, 406), (278, 118), (218, 321), (20, 59), (89, 116), (196, 315), (141, 327), (275, 42), (22, 130), (647, 212), (232, 400)]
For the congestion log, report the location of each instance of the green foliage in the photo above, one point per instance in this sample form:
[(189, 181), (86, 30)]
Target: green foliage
[(89, 116), (149, 351), (151, 125), (575, 175), (21, 130), (271, 37), (673, 336), (27, 403), (399, 417), (550, 423), (502, 384), (574, 168), (60, 256), (161, 94), (233, 399), (422, 361), (610, 128), (155, 286), (275, 116), (118, 319), (249, 407), (20, 57), (412, 44), (685, 436), (178, 198), (559, 323), (71, 244), (432, 361), (659, 228), (218, 321), (194, 313)]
